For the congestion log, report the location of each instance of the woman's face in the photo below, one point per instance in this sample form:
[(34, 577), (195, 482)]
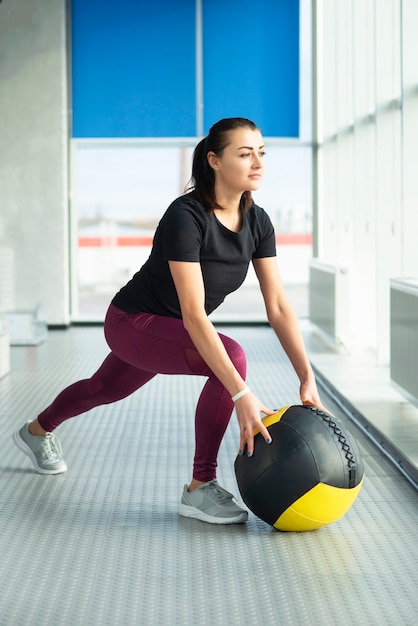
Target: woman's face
[(241, 166)]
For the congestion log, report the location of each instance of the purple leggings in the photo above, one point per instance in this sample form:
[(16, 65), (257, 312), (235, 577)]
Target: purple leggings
[(144, 345)]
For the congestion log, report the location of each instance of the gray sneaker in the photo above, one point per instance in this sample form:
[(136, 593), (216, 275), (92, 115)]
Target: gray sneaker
[(44, 452), (211, 503)]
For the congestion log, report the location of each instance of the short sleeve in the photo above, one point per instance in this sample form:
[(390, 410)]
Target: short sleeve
[(265, 238), (181, 232)]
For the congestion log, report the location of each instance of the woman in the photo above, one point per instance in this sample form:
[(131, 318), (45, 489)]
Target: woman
[(158, 322)]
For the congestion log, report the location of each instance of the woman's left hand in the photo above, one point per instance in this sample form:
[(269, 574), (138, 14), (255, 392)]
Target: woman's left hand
[(310, 397)]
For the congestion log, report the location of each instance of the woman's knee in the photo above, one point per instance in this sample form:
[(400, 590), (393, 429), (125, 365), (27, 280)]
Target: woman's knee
[(236, 354)]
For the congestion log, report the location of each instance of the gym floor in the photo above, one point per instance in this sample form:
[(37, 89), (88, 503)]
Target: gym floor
[(104, 545)]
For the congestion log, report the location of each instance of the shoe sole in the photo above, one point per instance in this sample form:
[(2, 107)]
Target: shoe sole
[(190, 511), (26, 449)]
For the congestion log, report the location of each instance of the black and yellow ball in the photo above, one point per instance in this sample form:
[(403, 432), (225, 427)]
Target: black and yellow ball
[(308, 477)]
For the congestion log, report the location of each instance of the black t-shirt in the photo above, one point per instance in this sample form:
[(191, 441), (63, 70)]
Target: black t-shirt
[(187, 233)]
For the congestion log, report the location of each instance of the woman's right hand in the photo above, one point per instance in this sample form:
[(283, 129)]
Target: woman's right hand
[(248, 409)]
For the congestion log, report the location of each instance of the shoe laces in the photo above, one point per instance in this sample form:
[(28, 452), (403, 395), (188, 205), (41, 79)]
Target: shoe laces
[(218, 493), (49, 446)]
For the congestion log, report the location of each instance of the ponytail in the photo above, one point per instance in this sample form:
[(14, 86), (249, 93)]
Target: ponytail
[(203, 176)]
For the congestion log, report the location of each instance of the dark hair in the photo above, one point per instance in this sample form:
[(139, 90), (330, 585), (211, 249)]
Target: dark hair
[(203, 176)]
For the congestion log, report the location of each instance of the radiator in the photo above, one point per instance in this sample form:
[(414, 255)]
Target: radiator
[(404, 334), (328, 288)]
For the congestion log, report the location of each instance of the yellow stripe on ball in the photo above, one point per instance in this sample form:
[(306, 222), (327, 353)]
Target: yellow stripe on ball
[(318, 507)]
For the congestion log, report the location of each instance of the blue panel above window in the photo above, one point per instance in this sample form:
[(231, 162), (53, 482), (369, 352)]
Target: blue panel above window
[(251, 63), (133, 68)]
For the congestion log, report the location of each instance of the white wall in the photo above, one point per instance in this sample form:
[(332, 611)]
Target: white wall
[(367, 154), (33, 156)]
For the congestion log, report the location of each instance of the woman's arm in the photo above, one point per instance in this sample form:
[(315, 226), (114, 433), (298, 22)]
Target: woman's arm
[(283, 320), (191, 293)]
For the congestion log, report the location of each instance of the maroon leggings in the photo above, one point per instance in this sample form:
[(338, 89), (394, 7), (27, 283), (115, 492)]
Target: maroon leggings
[(144, 345)]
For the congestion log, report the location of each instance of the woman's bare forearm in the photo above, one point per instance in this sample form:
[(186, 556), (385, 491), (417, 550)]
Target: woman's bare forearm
[(211, 349)]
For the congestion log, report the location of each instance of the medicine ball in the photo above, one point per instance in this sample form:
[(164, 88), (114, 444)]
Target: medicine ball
[(308, 477)]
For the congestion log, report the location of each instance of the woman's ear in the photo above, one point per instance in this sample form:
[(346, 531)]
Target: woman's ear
[(213, 160)]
